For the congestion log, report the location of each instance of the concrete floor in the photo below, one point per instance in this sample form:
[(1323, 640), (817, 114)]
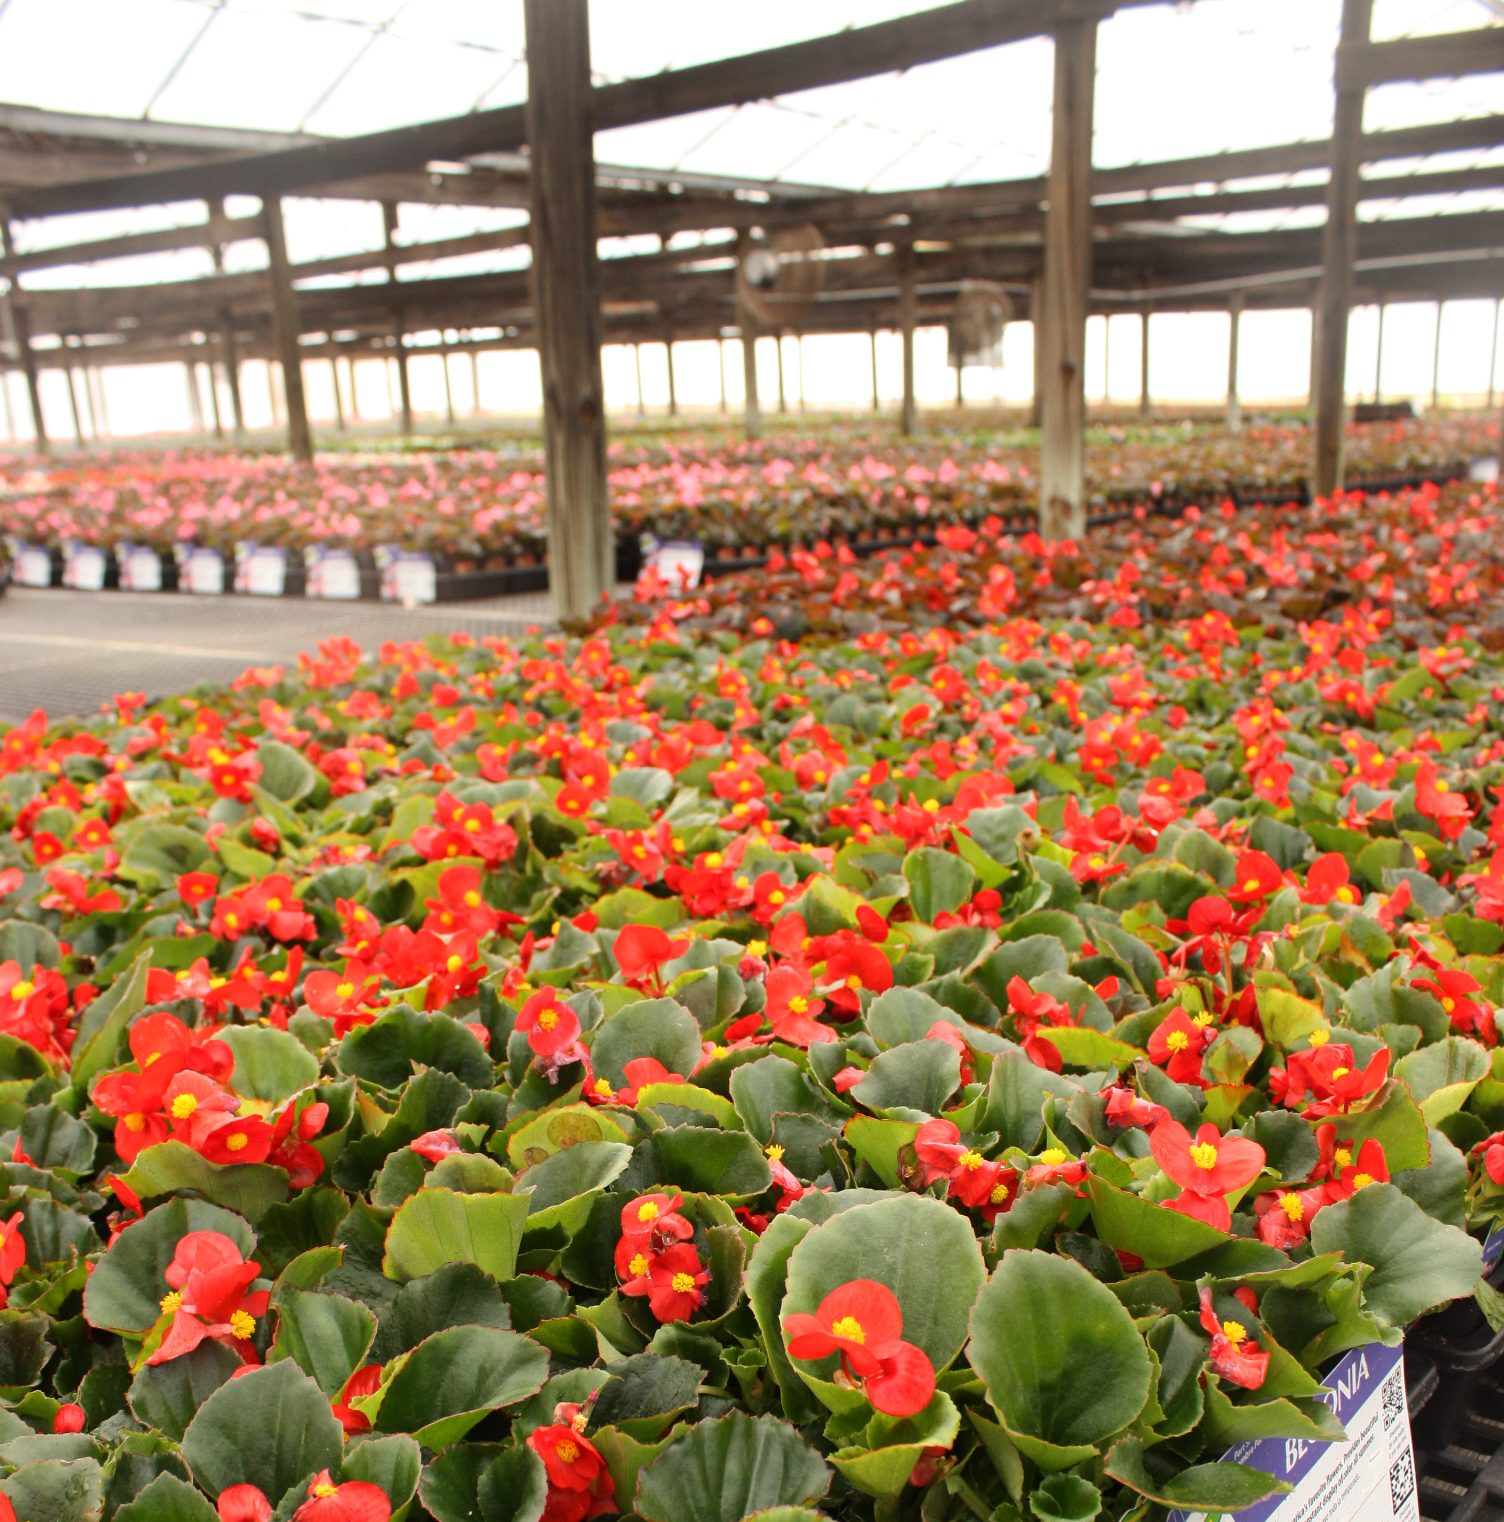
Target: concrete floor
[(68, 652)]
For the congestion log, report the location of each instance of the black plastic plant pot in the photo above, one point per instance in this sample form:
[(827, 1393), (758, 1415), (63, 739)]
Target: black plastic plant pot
[(1464, 1350)]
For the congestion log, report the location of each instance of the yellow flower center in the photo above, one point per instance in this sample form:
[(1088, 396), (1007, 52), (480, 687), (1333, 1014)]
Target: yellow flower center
[(1362, 1180), (567, 1452), (135, 1121), (548, 1019), (345, 990), (1448, 1004), (775, 1152), (1340, 1072), (243, 1324), (274, 904), (472, 825), (647, 1211), (171, 1301), (970, 1159), (21, 990), (1202, 1020), (713, 859), (472, 899), (757, 948), (602, 1086), (1052, 1156), (237, 1142), (326, 1489), (849, 1328), (455, 963), (1342, 1157), (1443, 787), (1345, 895), (1234, 1332), (184, 1106), (1177, 1041), (999, 1194), (1320, 1038), (799, 1004), (683, 1283), (1204, 1155), (1293, 1206), (638, 1265)]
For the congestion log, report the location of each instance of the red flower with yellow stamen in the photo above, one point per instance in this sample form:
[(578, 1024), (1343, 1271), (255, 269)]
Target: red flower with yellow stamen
[(1234, 1354), (1177, 1044), (350, 1501), (1330, 1075), (672, 1283), (862, 1322), (1206, 1169)]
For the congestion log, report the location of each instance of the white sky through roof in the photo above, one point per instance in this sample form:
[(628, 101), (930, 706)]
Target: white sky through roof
[(1173, 80)]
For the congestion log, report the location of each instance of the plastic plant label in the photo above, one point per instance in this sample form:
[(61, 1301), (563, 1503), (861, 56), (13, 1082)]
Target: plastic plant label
[(140, 568), (83, 566), (332, 574), (260, 570), (407, 576), (1493, 1248), (31, 566), (202, 572), (680, 562), (1369, 1478)]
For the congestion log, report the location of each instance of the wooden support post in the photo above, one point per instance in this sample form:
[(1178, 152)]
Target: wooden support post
[(1339, 245), (285, 324), (873, 336), (1378, 359), (15, 324), (783, 405), (78, 422), (748, 328), (1067, 285), (274, 393), (720, 347), (960, 388), (474, 383), (102, 415), (567, 305), (799, 360), (232, 369), (1145, 398), (339, 409), (673, 393), (642, 406), (29, 369), (404, 381), (1235, 323), (448, 389), (1106, 359), (219, 427), (1036, 318), (195, 402), (1436, 362), (907, 311), (1493, 356), (10, 422)]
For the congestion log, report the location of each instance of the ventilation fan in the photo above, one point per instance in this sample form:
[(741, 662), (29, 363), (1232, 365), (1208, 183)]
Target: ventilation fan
[(778, 281), (975, 335)]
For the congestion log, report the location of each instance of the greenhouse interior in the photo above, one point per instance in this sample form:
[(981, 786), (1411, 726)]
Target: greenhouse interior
[(751, 762)]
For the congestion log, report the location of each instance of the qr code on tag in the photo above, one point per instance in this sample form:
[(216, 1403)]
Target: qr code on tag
[(1401, 1480), (1394, 1399)]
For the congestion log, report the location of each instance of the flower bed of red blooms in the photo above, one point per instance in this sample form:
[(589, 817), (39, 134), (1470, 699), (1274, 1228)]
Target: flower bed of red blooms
[(983, 1029), (477, 507)]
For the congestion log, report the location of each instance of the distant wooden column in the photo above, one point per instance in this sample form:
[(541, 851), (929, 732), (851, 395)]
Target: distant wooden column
[(642, 406), (673, 392), (10, 421), (274, 393), (720, 348), (748, 328), (1235, 322), (799, 360), (907, 311), (474, 382), (232, 369), (566, 301), (1106, 359), (219, 427), (78, 422), (1067, 286), (339, 407), (960, 384), (1145, 398), (873, 336), (195, 402), (404, 381), (448, 390), (285, 325), (1436, 362), (16, 319), (1339, 246), (102, 412), (1493, 356), (1378, 359), (783, 405), (1036, 319)]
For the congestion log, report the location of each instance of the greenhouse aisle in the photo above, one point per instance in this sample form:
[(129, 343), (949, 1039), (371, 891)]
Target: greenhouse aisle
[(68, 652)]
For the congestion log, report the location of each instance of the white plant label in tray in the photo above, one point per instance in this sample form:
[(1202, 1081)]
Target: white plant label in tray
[(140, 568), (31, 566), (407, 576), (83, 566), (202, 572), (332, 574), (1369, 1478), (260, 570)]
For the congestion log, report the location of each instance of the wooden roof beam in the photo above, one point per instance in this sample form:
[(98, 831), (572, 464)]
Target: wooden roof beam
[(1451, 55)]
